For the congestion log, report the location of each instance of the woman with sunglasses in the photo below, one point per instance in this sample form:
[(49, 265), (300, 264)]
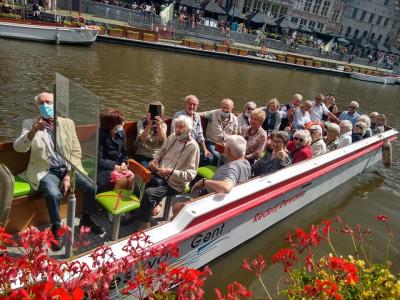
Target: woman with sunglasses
[(359, 131), (244, 117), (299, 147)]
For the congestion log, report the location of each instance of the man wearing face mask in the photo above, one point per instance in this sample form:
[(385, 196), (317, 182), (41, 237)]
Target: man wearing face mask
[(47, 171), (174, 167), (222, 123)]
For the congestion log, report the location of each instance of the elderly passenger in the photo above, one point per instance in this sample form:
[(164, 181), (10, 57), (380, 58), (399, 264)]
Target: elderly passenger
[(273, 117), (173, 168), (330, 103), (366, 120), (317, 145), (255, 136), (222, 123), (300, 148), (191, 105), (351, 114), (302, 115), (380, 124), (372, 117), (275, 160), (151, 135), (345, 133), (112, 158), (244, 117), (319, 109), (50, 172), (235, 171), (287, 111), (359, 131), (332, 136)]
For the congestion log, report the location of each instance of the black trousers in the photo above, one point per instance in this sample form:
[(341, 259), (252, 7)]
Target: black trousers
[(155, 191)]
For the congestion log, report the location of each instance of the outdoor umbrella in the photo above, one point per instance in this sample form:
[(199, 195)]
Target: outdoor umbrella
[(234, 12), (213, 7), (261, 17), (191, 3), (285, 23)]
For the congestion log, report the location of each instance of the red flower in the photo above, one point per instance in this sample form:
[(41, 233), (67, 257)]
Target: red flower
[(327, 226), (235, 292), (382, 218), (286, 256), (256, 266)]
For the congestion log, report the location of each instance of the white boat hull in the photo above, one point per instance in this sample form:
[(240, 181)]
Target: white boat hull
[(373, 78), (209, 227), (52, 34)]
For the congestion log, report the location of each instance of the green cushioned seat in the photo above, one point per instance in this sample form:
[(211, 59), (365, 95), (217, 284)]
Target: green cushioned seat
[(207, 171), (186, 190), (21, 187), (118, 201)]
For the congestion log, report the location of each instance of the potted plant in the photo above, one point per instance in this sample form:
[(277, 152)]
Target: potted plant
[(102, 30), (132, 35), (208, 46), (317, 64), (243, 52), (221, 48), (186, 42), (149, 37), (309, 62), (280, 57), (115, 32), (233, 50), (300, 61), (194, 44), (290, 59)]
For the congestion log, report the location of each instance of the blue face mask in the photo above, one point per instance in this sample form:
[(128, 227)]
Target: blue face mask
[(46, 110), (119, 129)]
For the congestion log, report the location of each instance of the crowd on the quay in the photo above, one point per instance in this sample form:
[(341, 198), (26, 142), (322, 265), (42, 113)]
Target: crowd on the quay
[(258, 141)]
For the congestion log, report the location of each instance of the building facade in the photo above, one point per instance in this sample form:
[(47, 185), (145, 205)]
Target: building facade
[(274, 8), (372, 23)]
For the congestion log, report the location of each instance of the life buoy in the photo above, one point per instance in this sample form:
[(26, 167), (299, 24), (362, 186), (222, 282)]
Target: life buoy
[(387, 154)]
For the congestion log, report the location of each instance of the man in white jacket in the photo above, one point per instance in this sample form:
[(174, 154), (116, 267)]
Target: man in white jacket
[(48, 171)]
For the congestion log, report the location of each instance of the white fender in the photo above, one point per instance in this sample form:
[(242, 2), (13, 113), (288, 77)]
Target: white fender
[(387, 154)]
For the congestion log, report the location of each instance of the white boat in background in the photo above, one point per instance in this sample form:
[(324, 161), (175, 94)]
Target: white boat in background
[(374, 78), (47, 32)]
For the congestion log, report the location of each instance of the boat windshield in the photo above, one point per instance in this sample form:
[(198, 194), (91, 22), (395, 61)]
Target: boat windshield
[(74, 102)]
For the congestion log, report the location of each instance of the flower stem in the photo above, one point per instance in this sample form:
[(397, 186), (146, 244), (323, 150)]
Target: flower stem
[(265, 288), (387, 249)]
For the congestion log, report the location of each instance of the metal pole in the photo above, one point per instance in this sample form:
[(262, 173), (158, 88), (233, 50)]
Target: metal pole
[(71, 217)]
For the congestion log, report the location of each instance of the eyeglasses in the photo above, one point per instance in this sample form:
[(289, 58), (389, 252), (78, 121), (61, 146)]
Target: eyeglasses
[(298, 139), (359, 127), (353, 107), (250, 108), (313, 131)]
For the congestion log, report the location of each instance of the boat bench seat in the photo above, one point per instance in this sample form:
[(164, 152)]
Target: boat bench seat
[(207, 171)]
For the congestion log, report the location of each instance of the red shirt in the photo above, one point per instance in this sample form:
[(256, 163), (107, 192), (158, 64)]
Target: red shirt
[(300, 154)]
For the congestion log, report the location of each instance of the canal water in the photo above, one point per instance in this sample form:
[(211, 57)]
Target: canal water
[(129, 78)]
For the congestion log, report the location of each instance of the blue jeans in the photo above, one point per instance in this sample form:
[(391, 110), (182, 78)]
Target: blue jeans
[(216, 155), (143, 160), (50, 186)]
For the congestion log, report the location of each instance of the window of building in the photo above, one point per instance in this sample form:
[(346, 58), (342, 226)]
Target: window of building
[(363, 15), (371, 18), (317, 6), (283, 11), (325, 8), (320, 26), (294, 20), (378, 21), (379, 38), (386, 2), (247, 4), (311, 24), (386, 22), (355, 11), (307, 5), (274, 11), (355, 34), (303, 22), (257, 5), (348, 32), (372, 37), (386, 41), (364, 35), (335, 15), (394, 24)]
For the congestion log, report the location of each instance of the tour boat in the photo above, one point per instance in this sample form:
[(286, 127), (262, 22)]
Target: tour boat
[(374, 78), (47, 32), (209, 226)]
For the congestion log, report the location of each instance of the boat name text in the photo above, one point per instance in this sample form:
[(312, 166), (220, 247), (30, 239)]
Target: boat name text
[(207, 236)]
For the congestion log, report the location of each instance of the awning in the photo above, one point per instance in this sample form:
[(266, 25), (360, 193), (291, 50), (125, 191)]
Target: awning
[(234, 12), (190, 3), (285, 23), (343, 40), (261, 17), (213, 7)]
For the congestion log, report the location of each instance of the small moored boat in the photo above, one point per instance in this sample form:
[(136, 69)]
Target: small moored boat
[(374, 78), (47, 32)]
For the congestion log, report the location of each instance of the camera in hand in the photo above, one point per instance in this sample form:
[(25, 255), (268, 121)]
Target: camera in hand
[(155, 110)]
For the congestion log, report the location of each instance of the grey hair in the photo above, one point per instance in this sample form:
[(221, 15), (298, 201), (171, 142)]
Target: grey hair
[(298, 96), (250, 104), (355, 104), (363, 126), (226, 100), (237, 145), (186, 120), (303, 134), (36, 98), (190, 97), (333, 126), (365, 119), (347, 125)]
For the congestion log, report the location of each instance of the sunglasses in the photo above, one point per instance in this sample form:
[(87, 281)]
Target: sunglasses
[(353, 107), (250, 108), (298, 139)]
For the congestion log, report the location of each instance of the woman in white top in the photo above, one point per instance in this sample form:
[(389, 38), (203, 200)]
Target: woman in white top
[(244, 117), (302, 115)]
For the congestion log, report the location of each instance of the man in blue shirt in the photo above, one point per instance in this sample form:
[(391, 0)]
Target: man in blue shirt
[(351, 114)]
